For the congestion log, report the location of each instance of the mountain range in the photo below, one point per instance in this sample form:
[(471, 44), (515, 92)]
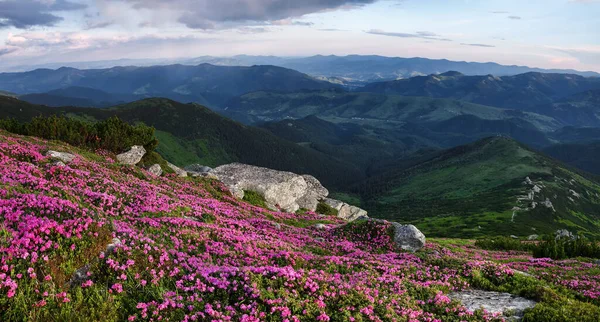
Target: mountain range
[(206, 84), (350, 70)]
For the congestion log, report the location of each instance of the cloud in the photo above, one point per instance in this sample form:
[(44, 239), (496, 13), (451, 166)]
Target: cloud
[(514, 17), (586, 55), (24, 14), (331, 29), (419, 34), (478, 45), (7, 50), (210, 14)]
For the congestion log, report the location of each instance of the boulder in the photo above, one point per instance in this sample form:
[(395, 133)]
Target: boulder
[(314, 193), (352, 213), (335, 204), (533, 237), (197, 168), (286, 190), (320, 226), (494, 302), (62, 156), (133, 156), (408, 237), (155, 169), (180, 172)]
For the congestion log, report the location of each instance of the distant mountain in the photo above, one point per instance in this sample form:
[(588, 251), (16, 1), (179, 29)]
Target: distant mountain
[(585, 156), (571, 134), (351, 70), (530, 91), (378, 110), (78, 96), (206, 84), (582, 109), (494, 186), (191, 133)]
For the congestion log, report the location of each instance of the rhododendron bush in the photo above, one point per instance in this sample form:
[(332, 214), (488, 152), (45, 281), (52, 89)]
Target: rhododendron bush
[(98, 241)]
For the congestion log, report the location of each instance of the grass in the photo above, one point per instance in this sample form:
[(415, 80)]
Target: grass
[(255, 198)]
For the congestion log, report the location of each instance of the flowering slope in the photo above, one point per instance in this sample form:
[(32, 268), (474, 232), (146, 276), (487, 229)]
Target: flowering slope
[(99, 241)]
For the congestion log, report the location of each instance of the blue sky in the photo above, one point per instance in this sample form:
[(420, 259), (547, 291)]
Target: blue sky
[(539, 33)]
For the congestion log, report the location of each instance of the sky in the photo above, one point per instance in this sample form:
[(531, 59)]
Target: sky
[(535, 33)]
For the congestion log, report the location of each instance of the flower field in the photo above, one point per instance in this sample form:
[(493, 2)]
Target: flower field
[(98, 241)]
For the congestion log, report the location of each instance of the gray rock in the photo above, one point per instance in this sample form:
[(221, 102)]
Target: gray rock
[(563, 233), (314, 193), (320, 239), (80, 276), (597, 262), (114, 243), (494, 302), (335, 204), (133, 156), (279, 188), (352, 213), (180, 172), (320, 226), (62, 156), (59, 164), (155, 169), (197, 168), (514, 237), (408, 237), (276, 225), (533, 237)]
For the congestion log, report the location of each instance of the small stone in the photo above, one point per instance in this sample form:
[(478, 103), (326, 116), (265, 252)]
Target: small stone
[(155, 169), (62, 156), (114, 243), (320, 226)]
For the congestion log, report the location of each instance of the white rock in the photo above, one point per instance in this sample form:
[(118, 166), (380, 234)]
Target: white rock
[(133, 156), (180, 172), (62, 156), (155, 169)]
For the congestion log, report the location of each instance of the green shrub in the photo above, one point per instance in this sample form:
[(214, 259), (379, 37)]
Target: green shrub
[(254, 198), (325, 209), (503, 243), (566, 248), (112, 134)]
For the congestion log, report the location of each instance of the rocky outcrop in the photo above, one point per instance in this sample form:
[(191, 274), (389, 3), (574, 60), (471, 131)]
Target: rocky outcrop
[(315, 192), (408, 237), (282, 189), (62, 156), (133, 156), (155, 169), (352, 213), (180, 172), (346, 211), (494, 302), (197, 169)]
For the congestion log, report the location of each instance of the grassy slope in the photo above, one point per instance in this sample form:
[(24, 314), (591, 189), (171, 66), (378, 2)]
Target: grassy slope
[(471, 191)]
